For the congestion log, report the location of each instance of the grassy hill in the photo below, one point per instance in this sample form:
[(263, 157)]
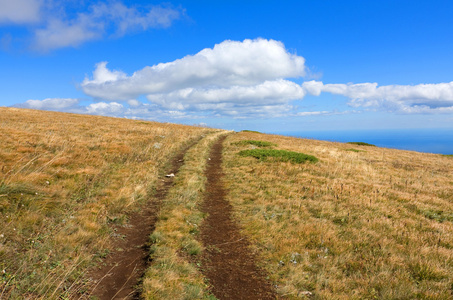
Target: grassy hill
[(362, 222)]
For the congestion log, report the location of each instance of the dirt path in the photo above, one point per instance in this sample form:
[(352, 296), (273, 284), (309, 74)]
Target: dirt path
[(227, 263), (122, 270)]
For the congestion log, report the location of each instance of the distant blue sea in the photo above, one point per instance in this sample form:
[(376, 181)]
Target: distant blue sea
[(421, 140)]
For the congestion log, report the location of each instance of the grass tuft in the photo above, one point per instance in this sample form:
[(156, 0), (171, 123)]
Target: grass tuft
[(17, 188), (421, 271)]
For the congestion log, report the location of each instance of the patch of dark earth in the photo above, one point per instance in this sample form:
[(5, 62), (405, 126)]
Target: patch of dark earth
[(227, 262), (119, 276)]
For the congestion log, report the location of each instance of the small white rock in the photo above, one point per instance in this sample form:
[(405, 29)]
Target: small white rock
[(170, 175)]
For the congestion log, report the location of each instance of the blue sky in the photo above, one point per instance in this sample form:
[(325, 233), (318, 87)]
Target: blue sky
[(261, 65)]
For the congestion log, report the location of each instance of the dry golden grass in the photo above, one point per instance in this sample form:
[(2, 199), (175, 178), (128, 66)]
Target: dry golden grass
[(362, 223), (373, 224), (63, 179)]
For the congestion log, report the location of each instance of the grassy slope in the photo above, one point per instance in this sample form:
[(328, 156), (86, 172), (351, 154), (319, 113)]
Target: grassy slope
[(63, 179), (365, 225), (370, 224)]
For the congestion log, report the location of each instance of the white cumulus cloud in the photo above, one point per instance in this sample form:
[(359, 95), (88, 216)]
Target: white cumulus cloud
[(232, 76), (229, 63), (102, 75)]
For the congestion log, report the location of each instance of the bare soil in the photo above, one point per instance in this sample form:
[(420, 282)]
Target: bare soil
[(121, 271), (227, 262)]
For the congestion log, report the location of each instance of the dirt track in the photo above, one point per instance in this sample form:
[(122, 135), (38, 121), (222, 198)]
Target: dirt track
[(122, 270), (227, 263)]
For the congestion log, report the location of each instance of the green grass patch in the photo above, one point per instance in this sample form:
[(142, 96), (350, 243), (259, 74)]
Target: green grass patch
[(256, 143), (253, 131), (438, 215), (355, 150), (361, 144), (282, 155)]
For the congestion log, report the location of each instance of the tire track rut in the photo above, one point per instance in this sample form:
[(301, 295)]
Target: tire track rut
[(227, 261)]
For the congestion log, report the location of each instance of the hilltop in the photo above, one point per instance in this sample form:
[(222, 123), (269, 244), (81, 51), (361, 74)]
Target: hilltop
[(316, 219)]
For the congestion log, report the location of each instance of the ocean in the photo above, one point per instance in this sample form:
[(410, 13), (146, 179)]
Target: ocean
[(422, 140)]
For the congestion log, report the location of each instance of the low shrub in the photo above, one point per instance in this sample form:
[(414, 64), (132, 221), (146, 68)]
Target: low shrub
[(361, 144), (282, 155), (256, 143)]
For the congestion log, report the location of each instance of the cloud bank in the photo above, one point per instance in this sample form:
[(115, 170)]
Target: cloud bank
[(73, 105), (54, 27), (422, 98), (133, 109), (57, 104)]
